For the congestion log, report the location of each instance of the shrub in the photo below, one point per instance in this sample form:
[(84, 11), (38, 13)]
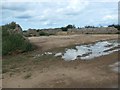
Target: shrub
[(116, 26), (68, 27), (118, 33), (64, 29), (14, 42), (43, 34)]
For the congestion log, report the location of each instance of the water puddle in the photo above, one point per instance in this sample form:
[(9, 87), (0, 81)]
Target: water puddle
[(90, 51), (86, 52)]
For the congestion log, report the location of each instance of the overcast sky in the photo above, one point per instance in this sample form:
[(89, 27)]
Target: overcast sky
[(58, 13)]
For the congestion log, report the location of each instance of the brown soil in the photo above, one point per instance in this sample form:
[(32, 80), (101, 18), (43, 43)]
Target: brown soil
[(49, 42), (95, 73)]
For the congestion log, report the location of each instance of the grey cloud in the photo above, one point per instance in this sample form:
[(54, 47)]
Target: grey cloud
[(24, 17), (14, 6), (72, 13), (43, 19)]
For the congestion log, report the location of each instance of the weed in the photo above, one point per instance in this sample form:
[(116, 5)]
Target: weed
[(13, 67), (27, 76), (5, 70)]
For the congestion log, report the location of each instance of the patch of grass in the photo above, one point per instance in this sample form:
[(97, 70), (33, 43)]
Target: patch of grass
[(43, 33), (27, 76), (4, 70), (118, 32), (13, 66), (43, 58), (21, 61), (12, 63), (14, 60), (11, 74)]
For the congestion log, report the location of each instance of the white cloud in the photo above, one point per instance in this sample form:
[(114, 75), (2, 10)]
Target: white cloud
[(104, 0), (73, 6), (58, 12), (77, 5), (57, 0), (110, 17)]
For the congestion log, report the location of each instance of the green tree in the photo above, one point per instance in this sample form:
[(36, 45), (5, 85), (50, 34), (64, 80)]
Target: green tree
[(116, 26), (70, 26), (64, 29)]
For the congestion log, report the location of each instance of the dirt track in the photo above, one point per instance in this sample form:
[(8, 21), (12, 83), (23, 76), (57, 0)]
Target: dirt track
[(59, 73)]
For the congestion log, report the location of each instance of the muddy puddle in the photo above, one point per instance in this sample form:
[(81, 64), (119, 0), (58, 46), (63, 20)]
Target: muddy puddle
[(86, 51), (90, 51)]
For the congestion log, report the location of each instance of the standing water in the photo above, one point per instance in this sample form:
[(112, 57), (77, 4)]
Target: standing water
[(90, 51)]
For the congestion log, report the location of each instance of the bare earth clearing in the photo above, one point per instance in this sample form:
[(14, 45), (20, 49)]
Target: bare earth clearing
[(51, 72), (48, 42)]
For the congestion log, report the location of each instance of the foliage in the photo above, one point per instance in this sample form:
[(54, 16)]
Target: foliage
[(116, 26), (68, 27), (13, 42), (42, 33), (90, 27), (64, 29)]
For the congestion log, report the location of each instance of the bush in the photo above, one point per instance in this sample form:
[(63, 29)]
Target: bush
[(64, 29), (14, 42), (118, 33), (68, 27), (43, 34), (116, 26)]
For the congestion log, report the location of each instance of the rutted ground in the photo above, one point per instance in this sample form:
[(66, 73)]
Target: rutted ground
[(49, 71)]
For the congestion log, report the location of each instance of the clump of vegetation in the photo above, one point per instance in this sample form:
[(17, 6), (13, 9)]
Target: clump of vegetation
[(68, 27), (14, 42), (27, 76), (116, 26), (64, 29), (4, 70), (43, 33), (90, 27)]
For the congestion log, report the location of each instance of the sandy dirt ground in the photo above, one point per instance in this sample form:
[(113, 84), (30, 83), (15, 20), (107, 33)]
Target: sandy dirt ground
[(45, 42), (94, 73)]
